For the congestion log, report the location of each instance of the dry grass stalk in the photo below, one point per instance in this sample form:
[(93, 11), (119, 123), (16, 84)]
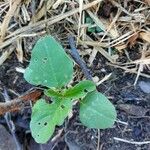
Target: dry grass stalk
[(145, 36), (127, 70), (94, 43), (111, 26), (9, 15), (131, 142), (5, 55), (41, 24), (104, 79), (41, 10), (80, 16), (102, 51), (57, 3), (19, 50)]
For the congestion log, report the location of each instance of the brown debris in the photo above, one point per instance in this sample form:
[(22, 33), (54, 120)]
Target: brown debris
[(18, 103), (145, 36), (147, 1), (132, 40)]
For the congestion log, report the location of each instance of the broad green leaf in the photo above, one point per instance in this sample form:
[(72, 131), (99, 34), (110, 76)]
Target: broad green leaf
[(80, 90), (53, 93), (46, 116), (49, 65), (96, 111)]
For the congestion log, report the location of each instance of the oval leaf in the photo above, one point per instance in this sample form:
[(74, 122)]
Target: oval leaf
[(46, 116), (49, 65), (80, 90), (96, 111)]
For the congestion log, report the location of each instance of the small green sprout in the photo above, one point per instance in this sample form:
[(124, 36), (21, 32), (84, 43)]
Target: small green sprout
[(51, 67), (91, 28)]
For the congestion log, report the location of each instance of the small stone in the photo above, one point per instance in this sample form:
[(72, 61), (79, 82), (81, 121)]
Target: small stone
[(95, 79), (144, 86)]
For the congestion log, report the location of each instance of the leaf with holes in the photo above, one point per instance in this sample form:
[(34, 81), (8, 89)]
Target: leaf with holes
[(46, 116), (80, 90), (49, 65), (96, 111)]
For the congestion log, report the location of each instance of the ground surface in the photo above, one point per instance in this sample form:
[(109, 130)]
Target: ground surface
[(132, 102)]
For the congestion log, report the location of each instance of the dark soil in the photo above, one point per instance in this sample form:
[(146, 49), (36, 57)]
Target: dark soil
[(75, 136)]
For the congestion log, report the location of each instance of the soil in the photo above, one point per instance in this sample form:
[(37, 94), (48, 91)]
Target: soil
[(132, 104)]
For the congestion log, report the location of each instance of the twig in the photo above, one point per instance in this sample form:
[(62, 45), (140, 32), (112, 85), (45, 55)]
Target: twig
[(98, 141), (77, 58), (122, 122), (18, 103), (10, 123), (131, 142)]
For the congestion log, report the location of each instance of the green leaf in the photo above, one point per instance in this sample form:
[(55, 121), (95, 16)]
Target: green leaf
[(96, 111), (49, 66), (46, 116), (98, 29), (80, 90), (53, 93), (90, 22), (90, 28)]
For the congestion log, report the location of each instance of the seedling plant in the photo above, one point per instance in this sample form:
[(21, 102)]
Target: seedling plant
[(52, 68)]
